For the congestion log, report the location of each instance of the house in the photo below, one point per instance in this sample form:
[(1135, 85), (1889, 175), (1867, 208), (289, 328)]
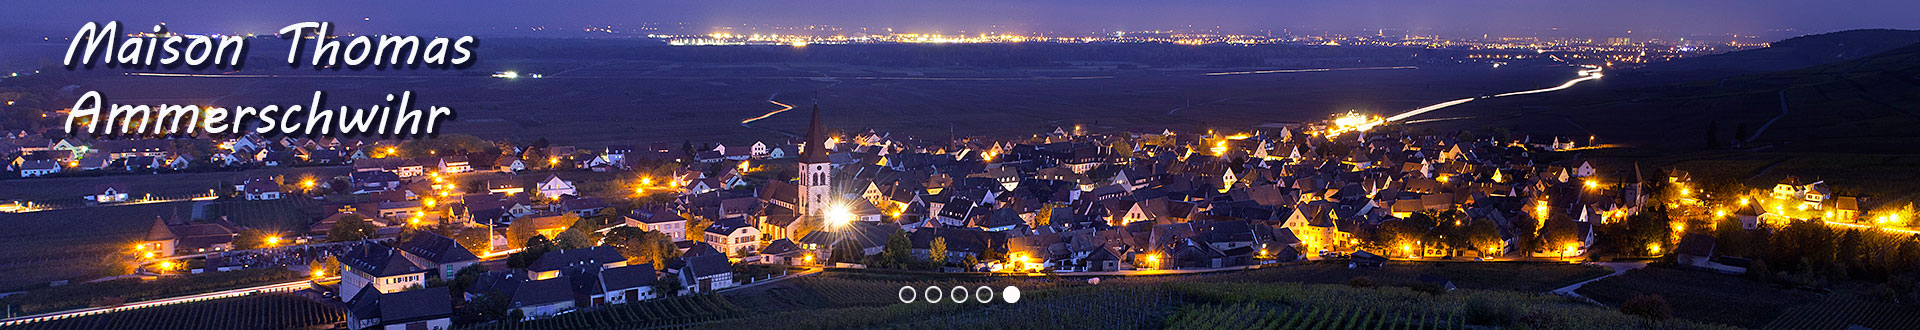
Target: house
[(553, 187), (33, 168), (455, 164), (427, 308), (784, 252), (505, 186), (168, 239), (1362, 258), (543, 298), (584, 206), (261, 189), (374, 181), (733, 236), (1695, 250), (109, 193), (552, 263), (706, 273), (663, 221), (444, 255), (622, 285), (381, 267)]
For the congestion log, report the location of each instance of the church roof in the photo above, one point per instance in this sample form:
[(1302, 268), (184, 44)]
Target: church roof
[(816, 140)]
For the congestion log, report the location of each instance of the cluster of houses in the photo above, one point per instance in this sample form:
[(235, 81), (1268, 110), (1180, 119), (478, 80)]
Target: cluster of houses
[(1073, 201), (1064, 201), (385, 284)]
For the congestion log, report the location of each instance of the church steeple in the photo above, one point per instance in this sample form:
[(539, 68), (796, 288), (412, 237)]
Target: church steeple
[(816, 151), (816, 171)]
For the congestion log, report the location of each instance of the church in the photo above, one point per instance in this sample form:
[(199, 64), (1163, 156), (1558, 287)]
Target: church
[(792, 208)]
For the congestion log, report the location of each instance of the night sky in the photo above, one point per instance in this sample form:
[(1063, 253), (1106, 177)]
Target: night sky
[(1652, 18)]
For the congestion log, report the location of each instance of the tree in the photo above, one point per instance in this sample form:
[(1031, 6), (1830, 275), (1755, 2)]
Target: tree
[(1651, 307), (1558, 235), (534, 248), (1713, 135), (642, 246), (1484, 236), (938, 250), (474, 240), (572, 239), (668, 287), (249, 239), (899, 250), (351, 228)]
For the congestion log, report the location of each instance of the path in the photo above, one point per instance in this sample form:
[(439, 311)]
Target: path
[(1618, 268), (1783, 114)]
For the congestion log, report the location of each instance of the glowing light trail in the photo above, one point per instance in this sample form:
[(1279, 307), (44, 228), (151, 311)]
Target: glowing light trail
[(1591, 73), (783, 108)]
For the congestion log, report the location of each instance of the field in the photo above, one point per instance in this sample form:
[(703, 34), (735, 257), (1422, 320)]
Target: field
[(667, 312), (68, 190), (76, 244), (264, 311), (1701, 296), (1524, 277), (1839, 311), (288, 215), (674, 94), (134, 290), (838, 301)]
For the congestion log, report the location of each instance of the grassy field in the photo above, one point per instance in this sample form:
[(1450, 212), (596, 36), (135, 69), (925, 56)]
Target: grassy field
[(75, 244), (1701, 296)]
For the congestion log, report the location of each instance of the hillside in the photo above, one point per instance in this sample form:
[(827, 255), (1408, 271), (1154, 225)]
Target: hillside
[(1850, 123), (1794, 53)]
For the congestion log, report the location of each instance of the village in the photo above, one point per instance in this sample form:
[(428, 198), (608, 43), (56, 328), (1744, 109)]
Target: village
[(539, 230)]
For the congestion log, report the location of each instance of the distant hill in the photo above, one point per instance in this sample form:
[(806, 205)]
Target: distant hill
[(1850, 123), (1869, 104), (1795, 53)]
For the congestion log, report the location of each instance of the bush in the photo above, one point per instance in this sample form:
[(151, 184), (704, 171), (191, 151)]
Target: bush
[(1429, 288), (1481, 311), (1651, 307), (1360, 282)]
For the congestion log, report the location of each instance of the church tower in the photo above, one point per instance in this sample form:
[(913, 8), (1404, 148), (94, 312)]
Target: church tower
[(816, 172)]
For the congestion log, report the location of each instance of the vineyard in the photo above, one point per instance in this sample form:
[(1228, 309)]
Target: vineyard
[(1389, 306), (1256, 316), (663, 313), (1840, 311), (264, 311), (286, 215), (133, 290), (1062, 308)]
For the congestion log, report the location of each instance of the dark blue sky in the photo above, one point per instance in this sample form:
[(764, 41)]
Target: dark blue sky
[(1511, 17)]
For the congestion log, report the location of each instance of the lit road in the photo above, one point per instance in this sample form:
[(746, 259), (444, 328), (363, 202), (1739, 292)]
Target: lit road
[(1588, 74), (282, 287), (783, 108)]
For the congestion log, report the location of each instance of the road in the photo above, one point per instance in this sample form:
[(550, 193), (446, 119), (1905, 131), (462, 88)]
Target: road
[(281, 287), (1588, 74)]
